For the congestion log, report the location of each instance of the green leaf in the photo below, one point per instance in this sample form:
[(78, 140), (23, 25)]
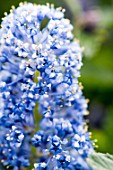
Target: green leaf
[(74, 6), (99, 161)]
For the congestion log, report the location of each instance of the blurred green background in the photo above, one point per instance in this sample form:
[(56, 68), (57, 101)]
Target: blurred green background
[(93, 26)]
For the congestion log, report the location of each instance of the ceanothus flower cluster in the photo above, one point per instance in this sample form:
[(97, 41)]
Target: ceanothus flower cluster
[(40, 63)]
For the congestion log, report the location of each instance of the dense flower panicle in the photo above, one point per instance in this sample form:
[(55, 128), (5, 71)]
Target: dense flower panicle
[(29, 47)]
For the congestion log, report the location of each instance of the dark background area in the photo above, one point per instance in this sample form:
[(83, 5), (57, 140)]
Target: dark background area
[(93, 26)]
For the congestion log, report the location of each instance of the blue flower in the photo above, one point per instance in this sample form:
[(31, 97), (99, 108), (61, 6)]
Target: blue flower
[(13, 148), (40, 166), (26, 48)]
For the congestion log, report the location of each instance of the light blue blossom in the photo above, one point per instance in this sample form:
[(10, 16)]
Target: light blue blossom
[(25, 48)]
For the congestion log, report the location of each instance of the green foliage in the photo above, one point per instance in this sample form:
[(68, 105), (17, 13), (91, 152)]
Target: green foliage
[(99, 161), (105, 135)]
